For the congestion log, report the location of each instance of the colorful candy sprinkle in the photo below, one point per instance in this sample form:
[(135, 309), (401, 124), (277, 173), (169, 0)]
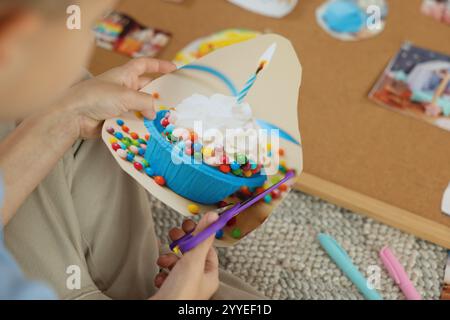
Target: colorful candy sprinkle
[(236, 233), (193, 208), (149, 171), (122, 153), (130, 156), (134, 149), (118, 135), (222, 204), (110, 130), (224, 168), (115, 146), (138, 166), (160, 180), (120, 122), (134, 135), (125, 129), (219, 234), (232, 222)]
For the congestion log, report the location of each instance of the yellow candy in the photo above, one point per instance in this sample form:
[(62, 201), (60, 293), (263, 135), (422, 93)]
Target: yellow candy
[(207, 152), (176, 250), (283, 163), (248, 173), (269, 147), (193, 208), (112, 140), (163, 108)]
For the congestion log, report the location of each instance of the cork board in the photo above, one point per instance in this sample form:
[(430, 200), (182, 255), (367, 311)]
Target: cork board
[(348, 140)]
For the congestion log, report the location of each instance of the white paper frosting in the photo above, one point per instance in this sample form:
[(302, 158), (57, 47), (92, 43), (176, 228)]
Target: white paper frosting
[(219, 113)]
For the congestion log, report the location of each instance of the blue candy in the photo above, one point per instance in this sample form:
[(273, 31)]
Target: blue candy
[(118, 135), (130, 156), (235, 166), (141, 151), (120, 122), (219, 234), (198, 147), (149, 171)]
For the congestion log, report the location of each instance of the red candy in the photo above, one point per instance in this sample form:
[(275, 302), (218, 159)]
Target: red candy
[(160, 180), (283, 187), (275, 194), (134, 135), (125, 128), (225, 168), (222, 204), (164, 122), (115, 146), (147, 137), (231, 222), (138, 166)]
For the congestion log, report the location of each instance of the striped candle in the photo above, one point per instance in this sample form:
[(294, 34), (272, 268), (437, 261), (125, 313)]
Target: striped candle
[(263, 63)]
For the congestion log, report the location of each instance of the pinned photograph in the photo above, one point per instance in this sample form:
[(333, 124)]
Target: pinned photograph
[(352, 20), (417, 83)]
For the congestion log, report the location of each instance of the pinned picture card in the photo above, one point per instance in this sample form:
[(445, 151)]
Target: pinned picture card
[(146, 150)]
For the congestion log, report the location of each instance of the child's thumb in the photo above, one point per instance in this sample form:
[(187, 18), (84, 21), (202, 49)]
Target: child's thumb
[(142, 102), (201, 251)]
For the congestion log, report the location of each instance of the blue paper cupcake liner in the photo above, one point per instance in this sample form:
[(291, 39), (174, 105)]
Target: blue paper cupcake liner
[(198, 182)]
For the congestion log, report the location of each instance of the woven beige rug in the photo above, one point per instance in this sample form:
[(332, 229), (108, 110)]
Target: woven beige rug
[(284, 260)]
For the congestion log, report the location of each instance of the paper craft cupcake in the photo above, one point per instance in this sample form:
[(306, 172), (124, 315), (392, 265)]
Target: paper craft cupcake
[(207, 148)]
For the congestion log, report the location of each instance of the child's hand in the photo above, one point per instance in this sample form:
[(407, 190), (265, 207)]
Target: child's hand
[(194, 276), (113, 93)]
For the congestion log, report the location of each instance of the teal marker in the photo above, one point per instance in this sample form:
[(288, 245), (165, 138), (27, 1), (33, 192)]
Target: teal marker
[(343, 261)]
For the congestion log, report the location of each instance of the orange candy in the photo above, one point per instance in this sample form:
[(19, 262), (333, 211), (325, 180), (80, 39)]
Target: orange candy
[(194, 136), (160, 180), (155, 95), (134, 135), (281, 152), (283, 187), (224, 168), (147, 137), (125, 128)]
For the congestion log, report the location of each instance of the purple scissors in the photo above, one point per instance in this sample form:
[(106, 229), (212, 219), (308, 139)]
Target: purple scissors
[(190, 241)]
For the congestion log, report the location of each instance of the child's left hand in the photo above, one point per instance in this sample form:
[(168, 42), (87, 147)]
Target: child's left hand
[(111, 94)]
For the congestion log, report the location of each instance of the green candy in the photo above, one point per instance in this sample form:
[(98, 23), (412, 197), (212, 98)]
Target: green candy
[(237, 172), (236, 233), (135, 143), (144, 163)]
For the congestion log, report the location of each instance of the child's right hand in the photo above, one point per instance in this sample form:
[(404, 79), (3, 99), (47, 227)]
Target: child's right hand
[(195, 275)]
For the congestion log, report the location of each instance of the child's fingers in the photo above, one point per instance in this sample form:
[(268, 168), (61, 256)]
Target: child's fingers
[(143, 81), (175, 234), (200, 252), (187, 227), (140, 101), (143, 65), (160, 278), (167, 261), (212, 261)]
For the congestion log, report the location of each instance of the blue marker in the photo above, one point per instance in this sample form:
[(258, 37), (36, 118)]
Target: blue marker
[(343, 261)]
